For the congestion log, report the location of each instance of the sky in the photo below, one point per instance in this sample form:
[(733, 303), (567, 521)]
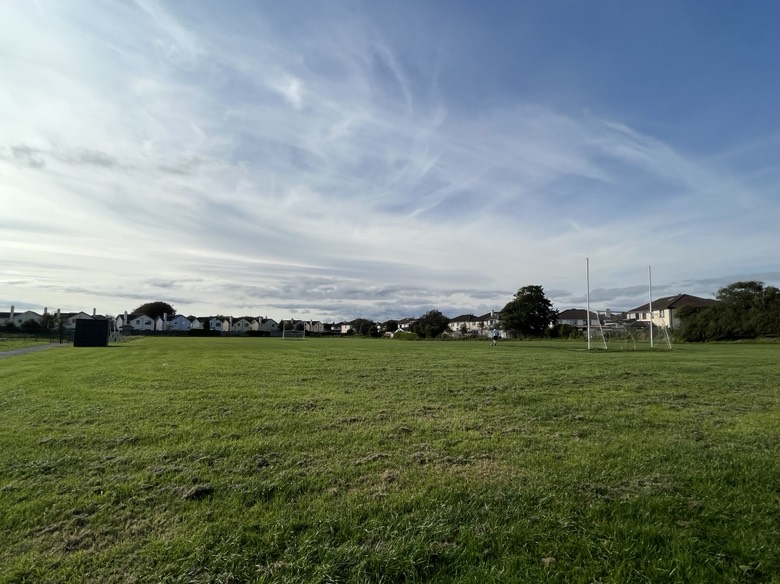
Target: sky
[(379, 159)]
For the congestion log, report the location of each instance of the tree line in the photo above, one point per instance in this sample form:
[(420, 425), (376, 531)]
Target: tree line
[(747, 310)]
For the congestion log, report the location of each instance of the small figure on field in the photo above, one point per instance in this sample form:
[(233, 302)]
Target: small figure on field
[(494, 335)]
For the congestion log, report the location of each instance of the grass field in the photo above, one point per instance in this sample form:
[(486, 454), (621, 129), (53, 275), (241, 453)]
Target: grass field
[(261, 460)]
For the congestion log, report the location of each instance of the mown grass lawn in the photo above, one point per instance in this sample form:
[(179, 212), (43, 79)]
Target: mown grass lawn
[(335, 460)]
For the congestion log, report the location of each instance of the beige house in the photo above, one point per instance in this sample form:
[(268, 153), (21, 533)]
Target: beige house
[(664, 309)]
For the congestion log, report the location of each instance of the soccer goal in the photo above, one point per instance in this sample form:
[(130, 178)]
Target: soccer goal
[(289, 334)]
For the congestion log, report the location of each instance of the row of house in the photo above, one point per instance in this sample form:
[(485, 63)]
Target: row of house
[(661, 313), (180, 323), (240, 325), (66, 319)]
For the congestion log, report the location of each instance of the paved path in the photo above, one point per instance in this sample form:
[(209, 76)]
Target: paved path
[(33, 349)]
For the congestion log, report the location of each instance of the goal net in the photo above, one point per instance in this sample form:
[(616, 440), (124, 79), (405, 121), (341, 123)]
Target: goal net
[(286, 334)]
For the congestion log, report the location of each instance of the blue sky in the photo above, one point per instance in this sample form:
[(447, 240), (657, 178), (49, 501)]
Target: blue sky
[(333, 160)]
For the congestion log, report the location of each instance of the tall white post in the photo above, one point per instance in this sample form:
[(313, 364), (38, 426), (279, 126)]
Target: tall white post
[(587, 298), (650, 292)]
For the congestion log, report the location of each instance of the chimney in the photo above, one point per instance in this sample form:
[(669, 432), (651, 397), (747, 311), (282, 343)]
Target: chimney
[(94, 312), (12, 313)]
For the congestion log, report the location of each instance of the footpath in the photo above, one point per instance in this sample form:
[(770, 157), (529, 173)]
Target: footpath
[(33, 349)]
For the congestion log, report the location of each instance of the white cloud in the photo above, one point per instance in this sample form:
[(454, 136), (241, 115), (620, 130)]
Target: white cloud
[(292, 90)]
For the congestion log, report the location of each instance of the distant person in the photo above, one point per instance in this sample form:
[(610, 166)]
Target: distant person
[(494, 336)]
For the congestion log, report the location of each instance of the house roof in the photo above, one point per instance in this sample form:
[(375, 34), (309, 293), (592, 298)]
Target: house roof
[(676, 301), (493, 315), (576, 314), (72, 314), (464, 318)]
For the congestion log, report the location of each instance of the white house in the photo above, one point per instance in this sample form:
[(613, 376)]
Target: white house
[(218, 323), (465, 324), (491, 320), (267, 325), (22, 317), (244, 324), (176, 322), (18, 318), (480, 325), (179, 322), (139, 322), (313, 326)]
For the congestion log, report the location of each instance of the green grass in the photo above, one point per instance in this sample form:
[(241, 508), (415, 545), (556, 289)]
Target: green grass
[(334, 460)]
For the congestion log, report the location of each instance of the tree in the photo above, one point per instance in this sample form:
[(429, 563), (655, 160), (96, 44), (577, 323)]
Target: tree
[(155, 309), (364, 327), (743, 295), (51, 322), (390, 326), (431, 324), (530, 313), (31, 326), (746, 310)]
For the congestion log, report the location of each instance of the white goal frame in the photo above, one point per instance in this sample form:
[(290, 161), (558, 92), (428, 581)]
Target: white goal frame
[(288, 334)]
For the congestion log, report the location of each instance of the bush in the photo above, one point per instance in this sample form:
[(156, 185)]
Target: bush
[(402, 336)]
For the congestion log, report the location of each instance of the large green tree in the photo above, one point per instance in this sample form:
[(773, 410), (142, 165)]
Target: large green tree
[(529, 313), (431, 324), (155, 309)]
